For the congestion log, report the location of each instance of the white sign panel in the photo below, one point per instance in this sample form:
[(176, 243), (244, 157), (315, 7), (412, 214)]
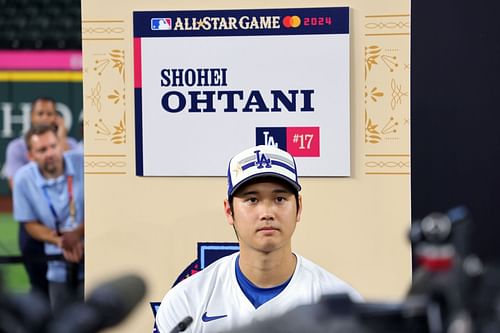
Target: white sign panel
[(211, 83)]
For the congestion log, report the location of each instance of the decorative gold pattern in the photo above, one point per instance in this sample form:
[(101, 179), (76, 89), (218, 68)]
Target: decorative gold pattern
[(387, 25), (105, 164), (372, 53), (390, 34), (105, 96), (116, 57), (388, 173), (397, 94), (118, 136), (102, 30), (389, 61), (372, 135), (373, 94), (390, 164), (102, 164), (387, 15), (95, 96), (385, 75), (116, 96), (396, 164), (105, 155), (390, 126), (102, 128)]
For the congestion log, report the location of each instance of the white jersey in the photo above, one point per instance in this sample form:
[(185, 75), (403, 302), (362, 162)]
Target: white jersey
[(215, 301)]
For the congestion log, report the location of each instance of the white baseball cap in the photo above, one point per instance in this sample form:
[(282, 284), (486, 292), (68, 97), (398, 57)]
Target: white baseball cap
[(261, 161)]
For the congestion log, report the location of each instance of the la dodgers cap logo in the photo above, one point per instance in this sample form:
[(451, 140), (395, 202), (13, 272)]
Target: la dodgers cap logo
[(261, 161)]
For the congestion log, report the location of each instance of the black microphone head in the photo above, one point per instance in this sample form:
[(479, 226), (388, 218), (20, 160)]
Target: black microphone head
[(185, 323), (116, 298), (24, 312), (106, 306), (182, 325)]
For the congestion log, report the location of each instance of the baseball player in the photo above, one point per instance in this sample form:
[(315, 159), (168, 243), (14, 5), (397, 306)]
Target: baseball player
[(265, 278)]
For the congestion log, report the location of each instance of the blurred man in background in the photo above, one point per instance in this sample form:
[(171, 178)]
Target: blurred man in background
[(43, 112), (48, 201)]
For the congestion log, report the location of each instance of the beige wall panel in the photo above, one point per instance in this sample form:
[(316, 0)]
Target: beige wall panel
[(355, 227)]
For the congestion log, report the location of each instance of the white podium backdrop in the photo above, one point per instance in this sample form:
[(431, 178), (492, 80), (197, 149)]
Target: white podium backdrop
[(353, 226)]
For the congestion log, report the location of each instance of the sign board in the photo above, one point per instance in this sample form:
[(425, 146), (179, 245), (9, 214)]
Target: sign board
[(211, 83)]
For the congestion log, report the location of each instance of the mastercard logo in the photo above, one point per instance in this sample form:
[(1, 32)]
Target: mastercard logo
[(291, 21)]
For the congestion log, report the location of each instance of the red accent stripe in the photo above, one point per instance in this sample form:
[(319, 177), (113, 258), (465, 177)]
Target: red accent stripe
[(436, 264), (70, 188), (137, 63)]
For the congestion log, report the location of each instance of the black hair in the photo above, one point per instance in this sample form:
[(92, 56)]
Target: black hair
[(44, 99)]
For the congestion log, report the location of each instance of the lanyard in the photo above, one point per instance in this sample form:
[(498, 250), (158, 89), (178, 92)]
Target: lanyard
[(71, 203)]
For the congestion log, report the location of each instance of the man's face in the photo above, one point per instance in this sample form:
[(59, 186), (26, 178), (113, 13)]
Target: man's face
[(43, 113), (46, 151), (265, 215)]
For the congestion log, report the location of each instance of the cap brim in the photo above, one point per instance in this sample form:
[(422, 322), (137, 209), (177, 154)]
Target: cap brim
[(266, 174)]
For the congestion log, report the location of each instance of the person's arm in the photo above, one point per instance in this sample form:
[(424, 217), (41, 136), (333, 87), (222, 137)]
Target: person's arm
[(62, 133), (72, 244), (73, 237), (75, 253), (15, 158), (42, 233), (47, 235)]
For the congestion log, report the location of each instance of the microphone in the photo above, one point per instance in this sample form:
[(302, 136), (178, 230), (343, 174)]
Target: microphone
[(117, 298), (106, 306), (182, 325), (24, 313)]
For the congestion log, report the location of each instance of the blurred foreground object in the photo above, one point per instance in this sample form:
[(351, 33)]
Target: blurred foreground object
[(106, 306), (452, 291)]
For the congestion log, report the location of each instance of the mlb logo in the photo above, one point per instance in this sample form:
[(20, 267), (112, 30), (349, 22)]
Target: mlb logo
[(161, 23)]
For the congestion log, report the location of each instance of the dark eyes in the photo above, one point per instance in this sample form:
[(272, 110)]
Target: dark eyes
[(277, 199)]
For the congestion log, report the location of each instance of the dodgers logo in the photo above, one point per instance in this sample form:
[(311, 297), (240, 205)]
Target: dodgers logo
[(271, 136), (261, 160), (161, 23)]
